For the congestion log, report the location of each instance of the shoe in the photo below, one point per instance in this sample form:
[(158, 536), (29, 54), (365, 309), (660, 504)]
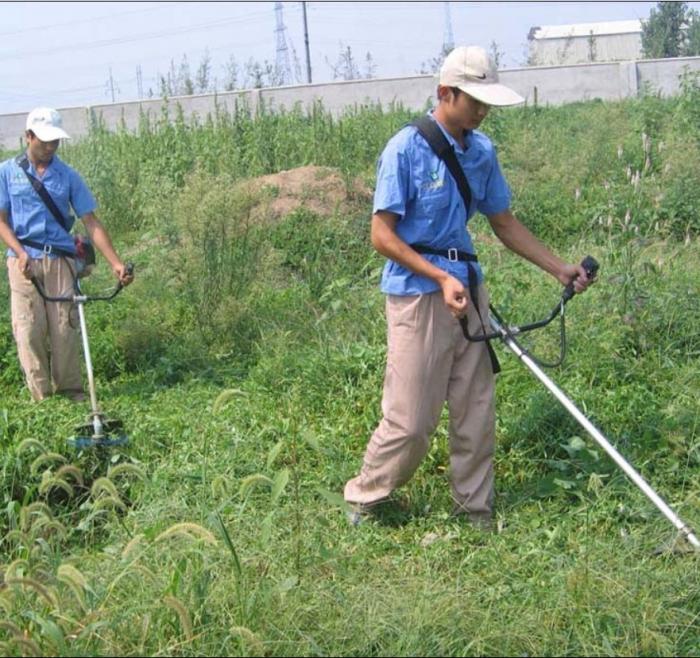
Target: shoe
[(391, 510), (358, 512), (73, 396), (482, 522)]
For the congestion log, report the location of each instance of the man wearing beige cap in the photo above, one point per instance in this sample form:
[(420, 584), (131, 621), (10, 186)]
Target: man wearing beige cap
[(432, 280), (40, 245)]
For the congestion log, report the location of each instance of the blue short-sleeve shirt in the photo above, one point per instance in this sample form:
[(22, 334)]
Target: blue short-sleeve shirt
[(415, 184), (29, 217)]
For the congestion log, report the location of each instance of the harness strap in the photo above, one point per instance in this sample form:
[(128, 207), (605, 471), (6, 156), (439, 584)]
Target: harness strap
[(47, 248), (23, 163), (431, 133)]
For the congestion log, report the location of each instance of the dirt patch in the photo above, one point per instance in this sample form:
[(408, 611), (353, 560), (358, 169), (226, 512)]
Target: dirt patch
[(321, 190)]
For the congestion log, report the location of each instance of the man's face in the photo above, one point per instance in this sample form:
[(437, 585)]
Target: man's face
[(41, 151), (464, 110)]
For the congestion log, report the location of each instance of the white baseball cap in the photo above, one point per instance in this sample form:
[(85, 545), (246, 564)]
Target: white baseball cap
[(470, 69), (47, 124)]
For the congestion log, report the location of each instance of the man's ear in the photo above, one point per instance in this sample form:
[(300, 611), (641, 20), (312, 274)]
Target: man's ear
[(445, 93)]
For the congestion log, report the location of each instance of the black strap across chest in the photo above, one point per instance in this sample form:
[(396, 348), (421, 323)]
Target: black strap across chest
[(23, 162), (431, 133)]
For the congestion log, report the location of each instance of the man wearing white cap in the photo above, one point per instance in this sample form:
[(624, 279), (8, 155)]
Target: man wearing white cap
[(41, 246), (430, 279)]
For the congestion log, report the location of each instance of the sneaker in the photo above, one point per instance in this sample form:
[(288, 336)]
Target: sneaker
[(391, 510), (358, 512)]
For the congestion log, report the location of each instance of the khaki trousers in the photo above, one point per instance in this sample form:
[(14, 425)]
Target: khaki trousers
[(46, 333), (430, 362)]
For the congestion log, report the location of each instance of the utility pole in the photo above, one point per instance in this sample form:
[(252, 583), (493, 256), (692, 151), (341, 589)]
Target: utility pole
[(306, 44), (283, 65), (448, 39), (111, 84), (139, 81)]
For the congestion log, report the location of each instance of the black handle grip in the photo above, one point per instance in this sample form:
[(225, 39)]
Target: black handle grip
[(591, 266)]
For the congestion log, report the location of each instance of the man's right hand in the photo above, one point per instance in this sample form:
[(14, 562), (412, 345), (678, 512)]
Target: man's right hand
[(24, 265), (455, 296)]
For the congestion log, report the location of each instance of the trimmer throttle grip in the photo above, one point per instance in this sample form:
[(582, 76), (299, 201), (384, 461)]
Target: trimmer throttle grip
[(591, 266)]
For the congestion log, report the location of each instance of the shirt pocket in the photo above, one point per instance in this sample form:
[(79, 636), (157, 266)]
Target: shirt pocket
[(59, 191), (431, 203)]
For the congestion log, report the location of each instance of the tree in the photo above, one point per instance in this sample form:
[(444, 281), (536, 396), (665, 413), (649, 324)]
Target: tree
[(693, 35), (202, 79), (665, 32), (232, 71), (433, 64), (370, 66), (592, 48), (345, 67), (497, 54)]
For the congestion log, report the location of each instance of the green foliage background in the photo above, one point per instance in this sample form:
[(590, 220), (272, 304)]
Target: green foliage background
[(247, 361)]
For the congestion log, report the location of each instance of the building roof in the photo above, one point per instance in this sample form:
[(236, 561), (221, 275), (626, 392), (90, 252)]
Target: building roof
[(584, 29)]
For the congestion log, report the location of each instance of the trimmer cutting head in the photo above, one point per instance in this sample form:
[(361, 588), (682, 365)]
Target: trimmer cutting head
[(107, 433)]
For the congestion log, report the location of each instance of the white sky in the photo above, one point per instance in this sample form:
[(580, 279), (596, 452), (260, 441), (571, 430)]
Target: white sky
[(60, 53)]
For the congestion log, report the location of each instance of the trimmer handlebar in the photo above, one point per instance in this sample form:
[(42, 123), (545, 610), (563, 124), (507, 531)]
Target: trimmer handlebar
[(589, 264), (78, 295)]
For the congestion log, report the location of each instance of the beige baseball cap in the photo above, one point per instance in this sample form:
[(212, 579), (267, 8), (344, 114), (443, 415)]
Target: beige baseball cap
[(470, 69), (47, 124)]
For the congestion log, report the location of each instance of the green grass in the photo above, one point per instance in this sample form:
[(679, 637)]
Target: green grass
[(247, 362)]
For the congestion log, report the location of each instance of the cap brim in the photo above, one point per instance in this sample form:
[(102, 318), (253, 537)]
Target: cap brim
[(492, 94), (50, 133)]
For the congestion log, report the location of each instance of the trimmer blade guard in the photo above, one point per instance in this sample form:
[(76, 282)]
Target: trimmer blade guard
[(109, 426), (81, 442), (112, 435)]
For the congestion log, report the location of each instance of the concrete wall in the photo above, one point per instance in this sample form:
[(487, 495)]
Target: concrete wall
[(542, 84), (583, 49)]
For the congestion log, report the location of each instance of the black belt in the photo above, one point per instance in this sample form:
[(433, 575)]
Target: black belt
[(454, 255), (48, 249), (451, 254)]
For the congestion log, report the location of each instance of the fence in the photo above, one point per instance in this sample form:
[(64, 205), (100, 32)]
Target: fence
[(541, 84)]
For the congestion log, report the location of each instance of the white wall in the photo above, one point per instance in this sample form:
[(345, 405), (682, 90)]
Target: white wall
[(577, 50), (547, 84)]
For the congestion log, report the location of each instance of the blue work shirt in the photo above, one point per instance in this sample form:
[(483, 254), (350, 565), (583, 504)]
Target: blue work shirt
[(28, 215), (415, 184)]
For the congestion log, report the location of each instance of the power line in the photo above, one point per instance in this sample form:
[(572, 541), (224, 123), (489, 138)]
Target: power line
[(120, 40), (79, 21)]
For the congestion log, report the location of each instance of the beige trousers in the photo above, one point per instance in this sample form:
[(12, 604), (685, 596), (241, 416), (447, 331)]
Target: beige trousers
[(430, 362), (46, 333)]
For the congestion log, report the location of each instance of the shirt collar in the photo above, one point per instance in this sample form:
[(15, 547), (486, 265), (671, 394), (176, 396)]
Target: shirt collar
[(450, 139), (49, 167)]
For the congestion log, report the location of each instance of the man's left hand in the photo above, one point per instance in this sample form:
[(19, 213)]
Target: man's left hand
[(576, 274), (124, 277)]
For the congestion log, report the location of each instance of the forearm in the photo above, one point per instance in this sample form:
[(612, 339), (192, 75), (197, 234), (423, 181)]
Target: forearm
[(517, 237), (7, 235), (100, 238)]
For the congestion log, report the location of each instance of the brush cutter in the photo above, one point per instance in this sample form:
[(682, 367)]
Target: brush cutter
[(98, 431), (506, 334)]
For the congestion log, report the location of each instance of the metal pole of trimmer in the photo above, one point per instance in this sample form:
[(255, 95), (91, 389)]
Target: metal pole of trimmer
[(96, 414), (506, 336)]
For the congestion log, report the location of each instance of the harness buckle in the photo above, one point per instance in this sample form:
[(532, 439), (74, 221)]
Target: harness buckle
[(452, 255), (48, 249)]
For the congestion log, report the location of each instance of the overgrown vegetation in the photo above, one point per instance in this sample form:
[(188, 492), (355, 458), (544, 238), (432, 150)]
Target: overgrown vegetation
[(247, 360)]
